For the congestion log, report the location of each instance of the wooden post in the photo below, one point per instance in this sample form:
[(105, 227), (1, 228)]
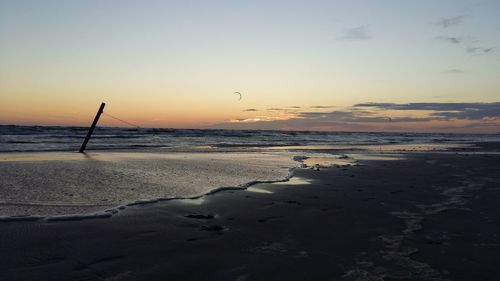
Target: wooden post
[(92, 127)]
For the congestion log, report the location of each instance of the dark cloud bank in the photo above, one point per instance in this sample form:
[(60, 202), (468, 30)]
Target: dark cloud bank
[(365, 116), (472, 111)]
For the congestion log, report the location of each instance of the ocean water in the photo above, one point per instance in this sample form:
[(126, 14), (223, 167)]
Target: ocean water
[(38, 138)]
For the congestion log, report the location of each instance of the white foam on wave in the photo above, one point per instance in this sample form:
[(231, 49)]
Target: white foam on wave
[(20, 218), (98, 215)]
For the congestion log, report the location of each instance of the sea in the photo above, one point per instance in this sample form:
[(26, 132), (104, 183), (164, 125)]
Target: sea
[(14, 138)]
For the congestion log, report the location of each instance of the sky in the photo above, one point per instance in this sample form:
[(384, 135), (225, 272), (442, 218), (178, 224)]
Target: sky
[(386, 65)]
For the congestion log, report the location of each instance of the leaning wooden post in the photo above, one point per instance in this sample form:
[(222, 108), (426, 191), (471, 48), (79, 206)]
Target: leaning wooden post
[(91, 129)]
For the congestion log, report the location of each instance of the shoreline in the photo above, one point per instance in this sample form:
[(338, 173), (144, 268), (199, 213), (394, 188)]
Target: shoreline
[(333, 157)]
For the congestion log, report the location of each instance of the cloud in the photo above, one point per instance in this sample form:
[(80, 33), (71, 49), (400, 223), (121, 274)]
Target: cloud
[(469, 45), (479, 50), (337, 115), (447, 22), (424, 117), (250, 109), (356, 117), (356, 33), (297, 123), (473, 111), (454, 71), (322, 106), (427, 105), (453, 40), (485, 112), (274, 109)]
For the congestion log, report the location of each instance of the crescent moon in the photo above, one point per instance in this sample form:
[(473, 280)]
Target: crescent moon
[(238, 93)]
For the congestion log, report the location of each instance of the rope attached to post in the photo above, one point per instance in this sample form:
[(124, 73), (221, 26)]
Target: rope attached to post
[(121, 120)]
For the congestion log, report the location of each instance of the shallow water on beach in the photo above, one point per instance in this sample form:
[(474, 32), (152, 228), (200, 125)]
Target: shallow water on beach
[(61, 183)]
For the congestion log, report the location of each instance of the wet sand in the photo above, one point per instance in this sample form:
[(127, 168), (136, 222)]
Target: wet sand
[(429, 216), (64, 183)]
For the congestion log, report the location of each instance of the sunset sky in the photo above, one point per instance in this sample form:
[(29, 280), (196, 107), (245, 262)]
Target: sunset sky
[(388, 65)]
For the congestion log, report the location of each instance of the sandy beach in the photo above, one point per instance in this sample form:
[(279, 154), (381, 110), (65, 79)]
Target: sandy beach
[(427, 216)]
